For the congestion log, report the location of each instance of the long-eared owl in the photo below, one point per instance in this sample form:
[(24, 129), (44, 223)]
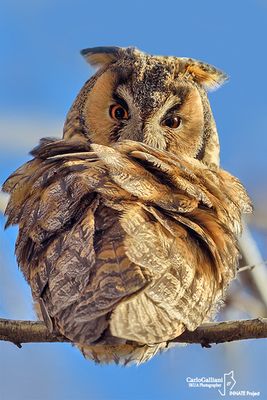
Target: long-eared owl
[(127, 225)]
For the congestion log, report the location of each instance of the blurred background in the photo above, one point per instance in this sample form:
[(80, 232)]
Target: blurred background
[(41, 72)]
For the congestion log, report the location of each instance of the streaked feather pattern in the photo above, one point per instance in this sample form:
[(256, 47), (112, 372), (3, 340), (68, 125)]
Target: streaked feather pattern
[(125, 246)]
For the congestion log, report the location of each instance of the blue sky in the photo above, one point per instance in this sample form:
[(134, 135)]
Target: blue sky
[(41, 73)]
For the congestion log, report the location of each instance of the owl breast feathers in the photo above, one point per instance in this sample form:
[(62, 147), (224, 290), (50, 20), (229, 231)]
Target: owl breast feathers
[(128, 226)]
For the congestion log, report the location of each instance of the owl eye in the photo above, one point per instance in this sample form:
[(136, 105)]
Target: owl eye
[(118, 112), (172, 122)]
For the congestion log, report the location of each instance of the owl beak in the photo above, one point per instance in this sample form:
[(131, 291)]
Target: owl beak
[(152, 136)]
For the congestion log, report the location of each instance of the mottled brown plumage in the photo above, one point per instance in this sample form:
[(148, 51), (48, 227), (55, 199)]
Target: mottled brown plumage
[(128, 226)]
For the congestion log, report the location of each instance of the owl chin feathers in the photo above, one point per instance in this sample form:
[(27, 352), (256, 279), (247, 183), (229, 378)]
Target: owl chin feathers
[(124, 245)]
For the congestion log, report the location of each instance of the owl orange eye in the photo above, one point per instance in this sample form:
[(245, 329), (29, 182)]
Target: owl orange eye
[(172, 122), (118, 112)]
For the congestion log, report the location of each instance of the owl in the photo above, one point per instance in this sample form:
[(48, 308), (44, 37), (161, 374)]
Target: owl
[(127, 225)]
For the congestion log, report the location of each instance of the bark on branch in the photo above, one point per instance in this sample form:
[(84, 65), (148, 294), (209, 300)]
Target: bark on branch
[(19, 332)]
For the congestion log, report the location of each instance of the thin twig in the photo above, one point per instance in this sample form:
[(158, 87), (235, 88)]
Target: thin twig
[(3, 201), (251, 267), (252, 256), (19, 332)]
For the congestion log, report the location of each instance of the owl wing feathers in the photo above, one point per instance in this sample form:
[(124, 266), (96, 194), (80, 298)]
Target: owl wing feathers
[(202, 224), (118, 241), (61, 234)]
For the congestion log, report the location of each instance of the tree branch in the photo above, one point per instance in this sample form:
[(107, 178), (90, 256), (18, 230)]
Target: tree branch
[(18, 332), (227, 331)]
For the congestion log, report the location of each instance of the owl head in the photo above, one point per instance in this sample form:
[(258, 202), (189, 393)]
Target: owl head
[(158, 100)]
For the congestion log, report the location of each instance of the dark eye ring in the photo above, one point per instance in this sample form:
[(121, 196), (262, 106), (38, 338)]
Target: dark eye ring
[(118, 112), (172, 122)]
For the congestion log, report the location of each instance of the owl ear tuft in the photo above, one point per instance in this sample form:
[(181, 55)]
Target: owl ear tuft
[(205, 75), (100, 56)]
